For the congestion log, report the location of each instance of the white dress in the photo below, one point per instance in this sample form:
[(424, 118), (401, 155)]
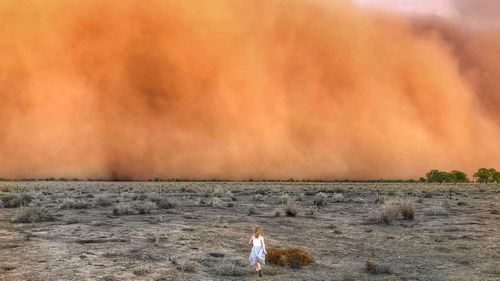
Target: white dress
[(257, 253)]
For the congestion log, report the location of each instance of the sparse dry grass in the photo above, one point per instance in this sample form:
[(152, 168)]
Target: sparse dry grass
[(32, 215)]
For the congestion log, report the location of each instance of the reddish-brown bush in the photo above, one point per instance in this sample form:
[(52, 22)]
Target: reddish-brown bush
[(288, 256)]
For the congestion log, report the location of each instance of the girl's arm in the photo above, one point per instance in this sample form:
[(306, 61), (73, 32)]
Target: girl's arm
[(264, 246), (250, 241)]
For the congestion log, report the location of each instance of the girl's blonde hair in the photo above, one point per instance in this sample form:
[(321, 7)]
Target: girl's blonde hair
[(258, 231)]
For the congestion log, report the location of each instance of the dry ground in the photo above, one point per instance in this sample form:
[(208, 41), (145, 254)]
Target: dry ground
[(202, 236)]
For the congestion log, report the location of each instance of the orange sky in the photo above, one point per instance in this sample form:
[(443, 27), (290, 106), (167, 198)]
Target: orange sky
[(241, 89)]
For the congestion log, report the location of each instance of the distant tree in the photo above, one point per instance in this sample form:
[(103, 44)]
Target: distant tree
[(422, 179), (437, 176), (457, 176), (485, 175), (497, 177)]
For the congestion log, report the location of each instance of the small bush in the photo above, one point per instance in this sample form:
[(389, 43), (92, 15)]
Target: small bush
[(338, 198), (426, 194), (258, 197), (407, 209), (388, 213), (74, 204), (103, 200), (359, 200), (141, 270), (15, 201), (228, 268), (145, 207), (122, 209), (218, 192), (161, 201), (189, 266), (284, 199), (320, 199), (373, 268), (291, 209), (217, 202), (32, 215), (286, 256), (252, 210)]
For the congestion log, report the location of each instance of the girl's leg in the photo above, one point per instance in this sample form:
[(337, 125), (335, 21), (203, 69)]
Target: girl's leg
[(258, 265)]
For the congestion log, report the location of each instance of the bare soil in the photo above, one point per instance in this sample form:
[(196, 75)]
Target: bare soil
[(455, 234)]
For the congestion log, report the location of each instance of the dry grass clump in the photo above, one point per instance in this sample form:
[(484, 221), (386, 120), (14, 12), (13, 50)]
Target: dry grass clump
[(160, 201), (145, 207), (228, 268), (320, 199), (291, 209), (374, 268), (338, 198), (122, 209), (189, 266), (388, 212), (407, 209), (284, 199), (74, 204), (258, 197), (288, 256), (142, 269), (359, 200), (277, 212), (15, 201), (217, 203), (103, 200), (252, 210), (32, 215)]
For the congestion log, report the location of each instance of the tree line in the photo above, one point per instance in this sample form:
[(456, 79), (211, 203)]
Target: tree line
[(483, 175)]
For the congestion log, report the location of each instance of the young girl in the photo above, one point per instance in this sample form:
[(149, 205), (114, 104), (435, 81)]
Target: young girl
[(258, 254)]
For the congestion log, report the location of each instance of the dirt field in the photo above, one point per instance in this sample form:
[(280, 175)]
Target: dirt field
[(199, 231)]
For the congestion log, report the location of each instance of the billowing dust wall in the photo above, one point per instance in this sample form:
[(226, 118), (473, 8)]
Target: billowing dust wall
[(241, 89)]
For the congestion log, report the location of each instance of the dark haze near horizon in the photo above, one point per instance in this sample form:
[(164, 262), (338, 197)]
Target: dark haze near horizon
[(242, 89)]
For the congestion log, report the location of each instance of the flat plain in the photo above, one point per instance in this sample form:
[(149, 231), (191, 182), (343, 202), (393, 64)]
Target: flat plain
[(199, 230)]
